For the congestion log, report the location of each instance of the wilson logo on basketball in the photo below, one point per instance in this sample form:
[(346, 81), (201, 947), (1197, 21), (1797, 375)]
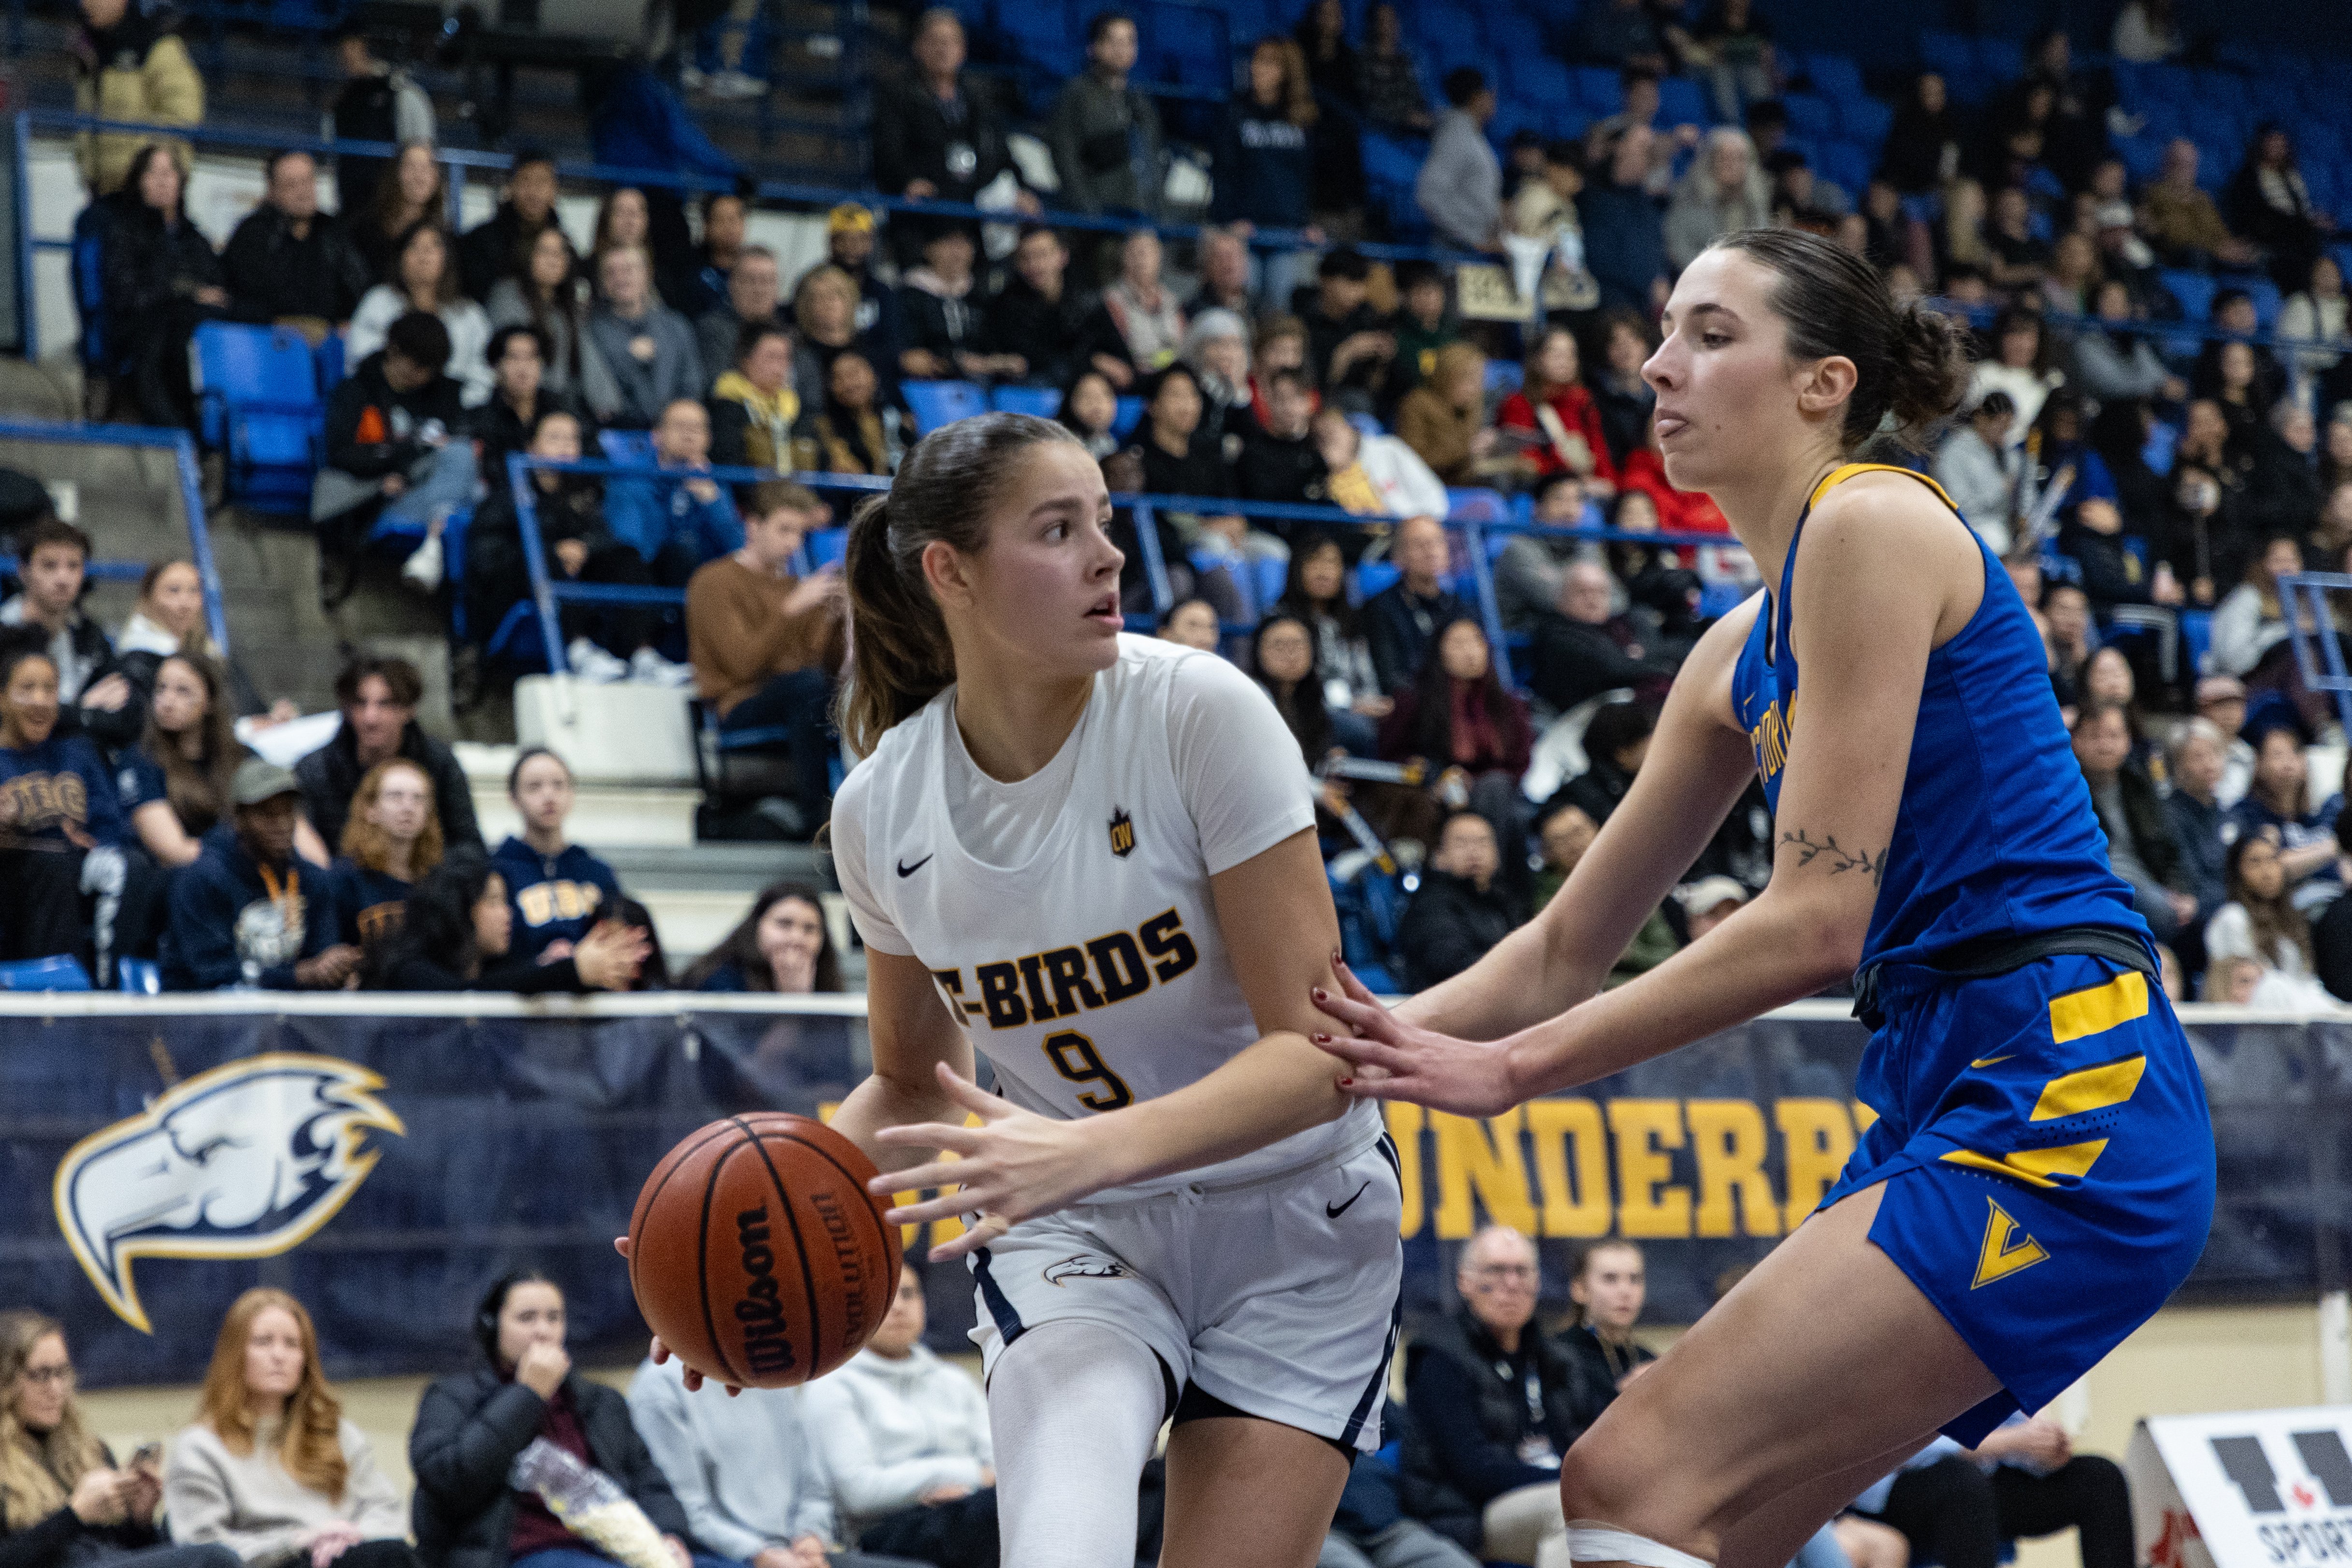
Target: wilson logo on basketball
[(765, 1345)]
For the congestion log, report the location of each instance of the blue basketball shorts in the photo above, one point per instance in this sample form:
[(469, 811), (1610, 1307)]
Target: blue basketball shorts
[(2048, 1159)]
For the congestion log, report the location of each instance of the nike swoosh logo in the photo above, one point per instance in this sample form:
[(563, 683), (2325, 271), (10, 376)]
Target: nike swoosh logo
[(905, 870), (1334, 1211), (1990, 1061)]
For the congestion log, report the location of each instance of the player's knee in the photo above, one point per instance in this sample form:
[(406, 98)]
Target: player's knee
[(1604, 1482)]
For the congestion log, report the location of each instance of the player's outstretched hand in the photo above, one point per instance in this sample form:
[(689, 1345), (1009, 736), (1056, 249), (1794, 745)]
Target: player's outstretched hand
[(1395, 1060), (1013, 1166), (660, 1352)]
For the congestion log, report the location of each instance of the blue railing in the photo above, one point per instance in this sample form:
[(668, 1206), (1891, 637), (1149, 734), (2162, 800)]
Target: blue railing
[(1469, 523), (2307, 617), (183, 447)]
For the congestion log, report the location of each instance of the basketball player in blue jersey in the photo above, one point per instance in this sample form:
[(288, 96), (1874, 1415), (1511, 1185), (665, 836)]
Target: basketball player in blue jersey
[(2040, 1176)]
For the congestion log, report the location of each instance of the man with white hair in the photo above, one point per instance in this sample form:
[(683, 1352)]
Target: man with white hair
[(1493, 1406), (1584, 647)]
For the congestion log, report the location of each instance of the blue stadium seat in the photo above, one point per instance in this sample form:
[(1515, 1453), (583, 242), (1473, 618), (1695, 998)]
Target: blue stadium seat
[(1865, 119), (2265, 296), (935, 404), (1538, 81), (1513, 35), (1129, 416), (2169, 84), (61, 973), (1682, 102), (2225, 89), (1598, 90), (630, 446), (1042, 401), (1809, 116), (2222, 125), (259, 402), (2143, 156), (1846, 164), (1267, 577), (1834, 76), (2001, 58), (826, 546), (1187, 45), (1374, 577), (330, 366), (1947, 54), (100, 354), (138, 977), (1504, 376)]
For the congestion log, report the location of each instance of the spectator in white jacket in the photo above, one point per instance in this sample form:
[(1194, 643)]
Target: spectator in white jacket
[(745, 1469), (1375, 475), (906, 1442), (1978, 469)]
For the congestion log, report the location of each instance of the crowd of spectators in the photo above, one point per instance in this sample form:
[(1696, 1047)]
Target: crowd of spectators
[(887, 1462)]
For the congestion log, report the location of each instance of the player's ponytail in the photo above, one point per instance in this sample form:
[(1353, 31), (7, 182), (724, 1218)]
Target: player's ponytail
[(946, 489), (1911, 363)]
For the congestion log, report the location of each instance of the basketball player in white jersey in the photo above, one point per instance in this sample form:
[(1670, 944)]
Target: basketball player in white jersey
[(1092, 857)]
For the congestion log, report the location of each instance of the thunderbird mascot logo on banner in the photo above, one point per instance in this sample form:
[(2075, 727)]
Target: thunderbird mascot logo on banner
[(245, 1161)]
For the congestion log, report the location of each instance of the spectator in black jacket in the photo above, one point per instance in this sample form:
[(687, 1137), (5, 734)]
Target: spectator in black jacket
[(1280, 460), (394, 443), (470, 1427), (161, 280), (1037, 314), (2200, 756), (519, 397), (1401, 620), (1494, 1407), (1461, 909), (1263, 166), (248, 911), (1625, 228), (1609, 1289), (1349, 343), (943, 335), (288, 263), (378, 697), (492, 249), (939, 134), (93, 697), (2140, 845), (1615, 743), (458, 935), (1582, 648), (754, 290), (65, 1502)]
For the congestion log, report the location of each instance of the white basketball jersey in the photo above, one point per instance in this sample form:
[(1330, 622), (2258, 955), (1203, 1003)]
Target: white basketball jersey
[(1095, 975)]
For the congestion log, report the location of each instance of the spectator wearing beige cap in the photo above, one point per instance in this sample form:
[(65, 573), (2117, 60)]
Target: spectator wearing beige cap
[(1709, 902), (2223, 700), (248, 911)]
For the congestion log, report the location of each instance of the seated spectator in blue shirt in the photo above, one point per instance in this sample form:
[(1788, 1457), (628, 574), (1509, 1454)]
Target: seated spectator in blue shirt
[(392, 838), (2280, 799), (676, 519), (457, 935), (1494, 1407), (1401, 620), (243, 913), (559, 889), (58, 804), (783, 945)]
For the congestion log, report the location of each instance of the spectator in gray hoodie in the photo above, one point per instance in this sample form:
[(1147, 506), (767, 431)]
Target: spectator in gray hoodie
[(1104, 134), (906, 1442), (1460, 188), (649, 348), (745, 1469)]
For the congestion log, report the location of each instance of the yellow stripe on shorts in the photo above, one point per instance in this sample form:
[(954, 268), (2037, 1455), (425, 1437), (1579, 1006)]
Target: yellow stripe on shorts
[(2091, 1089), (2100, 1008), (2035, 1167)]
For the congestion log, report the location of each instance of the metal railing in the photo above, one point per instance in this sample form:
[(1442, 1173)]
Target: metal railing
[(183, 447), (1472, 525), (2308, 620)]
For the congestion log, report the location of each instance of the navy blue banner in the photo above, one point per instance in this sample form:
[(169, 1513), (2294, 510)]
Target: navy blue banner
[(154, 1163)]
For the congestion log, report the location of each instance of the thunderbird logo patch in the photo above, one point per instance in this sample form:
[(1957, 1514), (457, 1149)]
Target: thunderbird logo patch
[(245, 1161), (1086, 1266)]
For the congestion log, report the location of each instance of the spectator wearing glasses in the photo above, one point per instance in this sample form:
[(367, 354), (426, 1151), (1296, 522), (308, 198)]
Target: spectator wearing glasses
[(65, 1500), (1495, 1406), (288, 263)]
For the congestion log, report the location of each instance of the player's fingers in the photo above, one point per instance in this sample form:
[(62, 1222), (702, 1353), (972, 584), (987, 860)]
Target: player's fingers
[(1364, 1052), (945, 1207), (944, 1174), (971, 1095), (1356, 990), (964, 1141), (1364, 1017), (988, 1230), (1363, 1086)]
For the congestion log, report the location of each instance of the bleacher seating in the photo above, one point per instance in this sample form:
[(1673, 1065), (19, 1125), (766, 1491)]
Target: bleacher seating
[(261, 407), (935, 403)]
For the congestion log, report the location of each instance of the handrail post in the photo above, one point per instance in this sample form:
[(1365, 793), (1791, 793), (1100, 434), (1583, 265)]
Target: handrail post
[(29, 306), (534, 555), (1482, 576), (1155, 569), (200, 539)]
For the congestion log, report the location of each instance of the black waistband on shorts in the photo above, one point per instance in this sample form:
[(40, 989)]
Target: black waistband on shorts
[(1998, 954)]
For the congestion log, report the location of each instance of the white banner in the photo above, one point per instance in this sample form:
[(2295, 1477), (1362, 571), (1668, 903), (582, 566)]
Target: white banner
[(2251, 1488)]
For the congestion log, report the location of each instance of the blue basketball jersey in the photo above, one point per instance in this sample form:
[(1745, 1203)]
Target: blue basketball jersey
[(1996, 835)]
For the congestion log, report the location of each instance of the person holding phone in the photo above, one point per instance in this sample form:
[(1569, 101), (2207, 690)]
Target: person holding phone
[(63, 1499)]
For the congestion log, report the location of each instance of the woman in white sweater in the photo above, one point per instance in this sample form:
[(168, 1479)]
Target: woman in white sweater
[(425, 277), (271, 1468), (907, 1444)]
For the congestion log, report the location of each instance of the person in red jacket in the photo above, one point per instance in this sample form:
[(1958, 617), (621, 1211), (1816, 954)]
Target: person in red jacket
[(1679, 511), (1557, 419)]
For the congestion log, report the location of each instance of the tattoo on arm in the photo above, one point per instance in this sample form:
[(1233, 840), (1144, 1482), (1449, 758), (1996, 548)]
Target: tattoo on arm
[(1840, 858)]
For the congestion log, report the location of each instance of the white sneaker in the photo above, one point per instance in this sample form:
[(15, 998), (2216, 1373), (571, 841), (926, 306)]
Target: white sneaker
[(423, 569), (646, 665), (593, 665), (734, 85), (690, 78)]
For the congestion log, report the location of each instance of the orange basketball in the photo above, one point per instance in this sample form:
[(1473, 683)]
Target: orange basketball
[(757, 1254)]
